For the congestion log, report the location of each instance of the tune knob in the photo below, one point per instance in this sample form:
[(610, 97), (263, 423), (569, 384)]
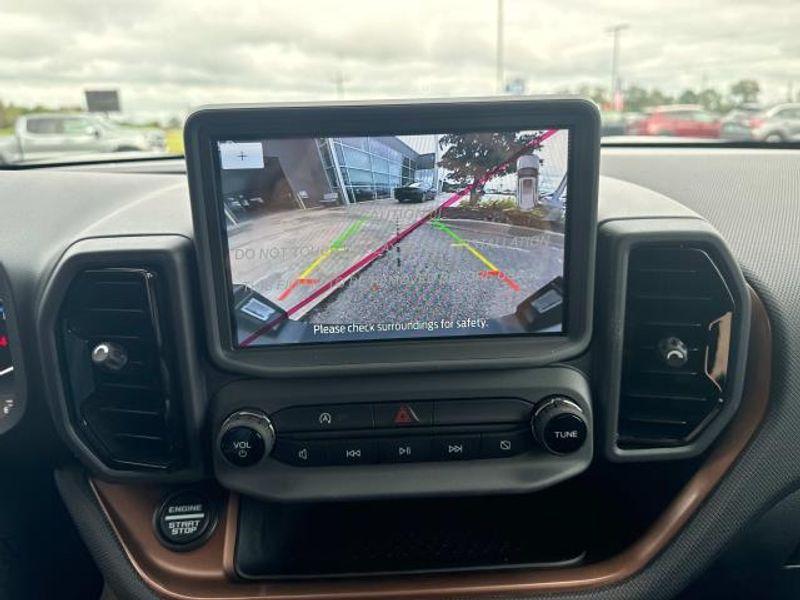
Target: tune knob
[(246, 437), (559, 425)]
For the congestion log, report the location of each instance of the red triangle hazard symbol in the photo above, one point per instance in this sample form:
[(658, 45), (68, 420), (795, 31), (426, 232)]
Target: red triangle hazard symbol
[(405, 416)]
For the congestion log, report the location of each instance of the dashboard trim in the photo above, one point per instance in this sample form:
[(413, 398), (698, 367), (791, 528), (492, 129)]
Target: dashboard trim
[(205, 572)]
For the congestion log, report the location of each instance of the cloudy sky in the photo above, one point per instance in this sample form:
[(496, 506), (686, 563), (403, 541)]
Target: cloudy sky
[(167, 56)]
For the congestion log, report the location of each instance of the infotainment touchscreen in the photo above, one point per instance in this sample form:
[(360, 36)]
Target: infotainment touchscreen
[(348, 239)]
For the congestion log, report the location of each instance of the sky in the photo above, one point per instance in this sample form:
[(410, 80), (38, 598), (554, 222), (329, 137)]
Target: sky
[(168, 56)]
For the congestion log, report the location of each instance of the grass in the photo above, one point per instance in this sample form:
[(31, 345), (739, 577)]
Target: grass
[(6, 131), (174, 141)]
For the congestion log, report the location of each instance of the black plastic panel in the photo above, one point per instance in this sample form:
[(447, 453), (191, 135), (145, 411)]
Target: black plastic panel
[(531, 470), (279, 541), (683, 418), (677, 301), (132, 416), (89, 433)]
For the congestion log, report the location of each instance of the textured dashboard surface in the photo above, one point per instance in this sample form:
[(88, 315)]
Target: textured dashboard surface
[(750, 196), (753, 198)]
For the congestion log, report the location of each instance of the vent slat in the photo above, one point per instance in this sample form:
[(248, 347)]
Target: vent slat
[(129, 415), (674, 292)]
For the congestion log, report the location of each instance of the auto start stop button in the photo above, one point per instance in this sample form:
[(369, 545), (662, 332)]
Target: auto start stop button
[(185, 520)]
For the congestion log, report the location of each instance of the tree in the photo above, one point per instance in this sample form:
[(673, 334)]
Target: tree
[(639, 99), (688, 97), (636, 99), (470, 156), (659, 98), (712, 100), (597, 93), (745, 90)]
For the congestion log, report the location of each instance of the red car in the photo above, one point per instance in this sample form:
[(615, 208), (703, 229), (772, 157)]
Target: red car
[(682, 120)]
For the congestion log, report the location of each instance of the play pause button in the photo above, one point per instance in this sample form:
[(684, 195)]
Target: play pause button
[(405, 450)]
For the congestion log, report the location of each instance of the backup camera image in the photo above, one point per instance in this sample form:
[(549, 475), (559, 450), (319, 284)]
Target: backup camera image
[(392, 237)]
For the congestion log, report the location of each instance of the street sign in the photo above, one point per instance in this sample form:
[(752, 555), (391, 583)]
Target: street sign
[(102, 101)]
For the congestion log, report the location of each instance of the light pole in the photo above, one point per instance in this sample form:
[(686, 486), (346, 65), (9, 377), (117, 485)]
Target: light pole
[(499, 73), (338, 80), (615, 31)]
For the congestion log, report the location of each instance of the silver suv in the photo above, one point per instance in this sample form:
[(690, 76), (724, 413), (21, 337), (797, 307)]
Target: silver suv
[(45, 136)]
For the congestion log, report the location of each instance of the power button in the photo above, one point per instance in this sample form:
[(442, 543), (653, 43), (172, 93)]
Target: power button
[(185, 520)]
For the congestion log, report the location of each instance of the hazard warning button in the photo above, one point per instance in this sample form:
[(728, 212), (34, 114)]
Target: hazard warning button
[(405, 414)]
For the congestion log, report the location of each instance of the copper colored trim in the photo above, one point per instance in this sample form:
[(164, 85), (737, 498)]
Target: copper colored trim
[(206, 573), (229, 547)]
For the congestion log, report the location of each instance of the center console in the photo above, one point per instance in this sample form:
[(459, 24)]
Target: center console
[(420, 325), (478, 253), (331, 439)]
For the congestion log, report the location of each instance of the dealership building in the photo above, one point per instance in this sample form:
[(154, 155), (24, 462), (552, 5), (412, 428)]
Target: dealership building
[(366, 168), (304, 173)]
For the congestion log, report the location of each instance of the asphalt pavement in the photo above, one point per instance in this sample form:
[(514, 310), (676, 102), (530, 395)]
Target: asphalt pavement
[(451, 268)]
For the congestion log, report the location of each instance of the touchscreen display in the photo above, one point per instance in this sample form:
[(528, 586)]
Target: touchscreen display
[(347, 239)]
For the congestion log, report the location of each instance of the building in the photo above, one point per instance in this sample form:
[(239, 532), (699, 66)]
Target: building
[(304, 173), (367, 168)]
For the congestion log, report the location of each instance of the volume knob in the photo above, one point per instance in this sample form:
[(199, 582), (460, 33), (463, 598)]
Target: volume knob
[(559, 425), (246, 437)]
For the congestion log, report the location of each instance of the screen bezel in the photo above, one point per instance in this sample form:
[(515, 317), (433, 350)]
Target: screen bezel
[(208, 125)]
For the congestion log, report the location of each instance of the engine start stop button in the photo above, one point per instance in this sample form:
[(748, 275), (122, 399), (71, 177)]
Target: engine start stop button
[(185, 520)]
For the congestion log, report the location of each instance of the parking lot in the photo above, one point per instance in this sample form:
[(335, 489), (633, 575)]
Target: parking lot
[(454, 268)]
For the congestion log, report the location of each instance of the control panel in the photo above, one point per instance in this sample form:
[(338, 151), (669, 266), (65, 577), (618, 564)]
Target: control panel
[(402, 432), (511, 433)]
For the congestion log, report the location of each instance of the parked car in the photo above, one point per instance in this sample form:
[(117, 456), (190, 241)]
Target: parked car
[(780, 123), (612, 123), (49, 135), (736, 124), (418, 191), (679, 120), (244, 202)]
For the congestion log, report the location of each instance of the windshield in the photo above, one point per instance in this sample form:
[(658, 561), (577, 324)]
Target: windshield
[(660, 72)]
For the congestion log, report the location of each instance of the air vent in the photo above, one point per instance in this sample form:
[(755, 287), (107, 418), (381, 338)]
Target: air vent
[(678, 323), (118, 364)]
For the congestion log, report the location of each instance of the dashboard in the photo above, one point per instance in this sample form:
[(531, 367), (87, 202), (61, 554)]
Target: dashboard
[(623, 422)]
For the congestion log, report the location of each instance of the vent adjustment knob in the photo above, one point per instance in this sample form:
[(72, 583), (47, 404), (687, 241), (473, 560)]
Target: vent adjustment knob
[(559, 425), (110, 356), (673, 352)]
